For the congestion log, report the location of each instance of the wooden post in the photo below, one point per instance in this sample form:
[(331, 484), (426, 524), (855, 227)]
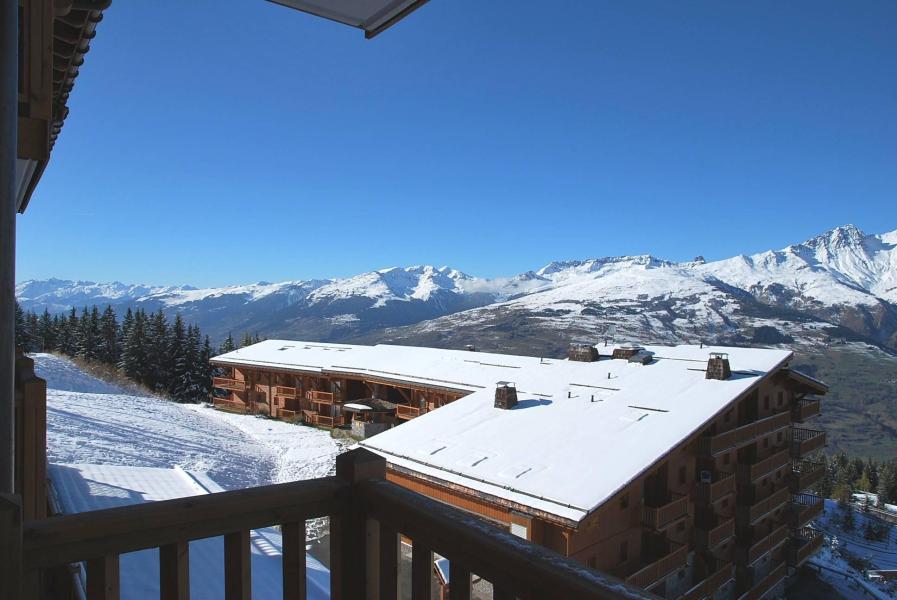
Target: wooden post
[(9, 69), (388, 562), (174, 571), (103, 578), (294, 568), (421, 571), (237, 566), (10, 547), (31, 439), (459, 581), (348, 540)]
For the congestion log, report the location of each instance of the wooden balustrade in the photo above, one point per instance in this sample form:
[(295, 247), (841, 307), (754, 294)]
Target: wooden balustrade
[(749, 555), (804, 474), (754, 512), (804, 441), (710, 539), (802, 545), (767, 583), (741, 436), (229, 404), (711, 584), (659, 517), (748, 473), (282, 391), (804, 409), (330, 421), (31, 438), (367, 515), (226, 383), (654, 572), (804, 508), (708, 493), (403, 411), (320, 397)]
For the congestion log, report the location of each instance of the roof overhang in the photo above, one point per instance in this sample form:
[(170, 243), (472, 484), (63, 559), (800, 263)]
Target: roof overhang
[(804, 383), (372, 16)]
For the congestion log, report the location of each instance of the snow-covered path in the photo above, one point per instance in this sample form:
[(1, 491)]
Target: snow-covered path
[(93, 422)]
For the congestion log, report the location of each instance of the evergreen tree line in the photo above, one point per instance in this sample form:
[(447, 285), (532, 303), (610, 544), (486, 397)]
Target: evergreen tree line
[(845, 475), (168, 358)]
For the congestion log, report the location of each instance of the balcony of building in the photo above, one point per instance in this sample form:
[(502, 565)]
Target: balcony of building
[(750, 548), (803, 544), (657, 562), (805, 473), (658, 514), (758, 589), (713, 485), (804, 508), (715, 444), (751, 510), (229, 403), (750, 471), (286, 392), (708, 586), (805, 441), (804, 408), (318, 397), (711, 530), (229, 384), (407, 412)]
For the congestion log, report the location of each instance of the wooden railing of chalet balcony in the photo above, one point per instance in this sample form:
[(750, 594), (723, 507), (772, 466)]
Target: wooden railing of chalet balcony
[(748, 473), (804, 409), (330, 421), (708, 493), (767, 583), (710, 539), (31, 438), (403, 411), (283, 391), (657, 570), (710, 585), (367, 512), (804, 474), (804, 441), (804, 507), (759, 509), (741, 436), (802, 545), (229, 405), (748, 555), (658, 517), (226, 383), (320, 397)]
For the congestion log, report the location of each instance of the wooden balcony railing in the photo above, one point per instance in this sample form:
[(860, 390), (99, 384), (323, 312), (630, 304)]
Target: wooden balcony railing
[(330, 421), (804, 474), (30, 421), (229, 405), (659, 517), (710, 585), (742, 436), (802, 545), (710, 539), (282, 391), (320, 397), (804, 441), (804, 508), (748, 473), (650, 574), (752, 513), (403, 411), (367, 515), (804, 409), (226, 383), (767, 583), (708, 493), (749, 554)]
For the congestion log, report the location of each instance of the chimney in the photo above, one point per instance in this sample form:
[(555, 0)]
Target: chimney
[(718, 366), (470, 348), (627, 350), (582, 353), (505, 395), (642, 357)]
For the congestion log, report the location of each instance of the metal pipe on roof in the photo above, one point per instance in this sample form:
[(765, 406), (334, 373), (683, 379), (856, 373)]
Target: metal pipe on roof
[(9, 77)]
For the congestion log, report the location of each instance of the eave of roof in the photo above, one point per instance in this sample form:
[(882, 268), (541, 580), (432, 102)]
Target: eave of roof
[(371, 16)]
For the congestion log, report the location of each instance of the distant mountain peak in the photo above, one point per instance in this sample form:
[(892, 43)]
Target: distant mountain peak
[(595, 264), (845, 236)]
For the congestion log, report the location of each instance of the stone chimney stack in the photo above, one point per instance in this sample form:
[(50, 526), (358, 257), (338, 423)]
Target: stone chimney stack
[(718, 366), (505, 395), (582, 353)]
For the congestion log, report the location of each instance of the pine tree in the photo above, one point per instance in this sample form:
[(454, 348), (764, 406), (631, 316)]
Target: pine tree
[(247, 340), (179, 373), (188, 383), (109, 350), (159, 363), (35, 339), (134, 349), (227, 345), (89, 335), (47, 332), (205, 368), (21, 327)]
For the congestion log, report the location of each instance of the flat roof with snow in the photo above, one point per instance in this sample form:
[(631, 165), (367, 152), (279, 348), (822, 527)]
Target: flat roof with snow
[(580, 431)]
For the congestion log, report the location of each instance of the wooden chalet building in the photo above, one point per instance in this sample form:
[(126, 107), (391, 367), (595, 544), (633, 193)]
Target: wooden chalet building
[(681, 470)]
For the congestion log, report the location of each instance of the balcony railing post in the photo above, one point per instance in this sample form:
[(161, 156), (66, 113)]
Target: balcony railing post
[(10, 546), (349, 540)]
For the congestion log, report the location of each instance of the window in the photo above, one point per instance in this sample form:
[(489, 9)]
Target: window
[(766, 442), (765, 402), (682, 474), (727, 458), (765, 482), (624, 500), (781, 398), (624, 551), (593, 563), (779, 438)]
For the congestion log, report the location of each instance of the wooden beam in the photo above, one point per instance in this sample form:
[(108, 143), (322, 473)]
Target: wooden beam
[(103, 578), (237, 566), (459, 581), (294, 567), (389, 562), (10, 546), (421, 571), (174, 571)]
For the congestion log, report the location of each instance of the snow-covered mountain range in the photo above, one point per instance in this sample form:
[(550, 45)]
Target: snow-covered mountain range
[(841, 284)]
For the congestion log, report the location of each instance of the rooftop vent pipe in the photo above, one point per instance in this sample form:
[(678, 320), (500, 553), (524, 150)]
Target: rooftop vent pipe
[(470, 348), (718, 366), (505, 395), (582, 353)]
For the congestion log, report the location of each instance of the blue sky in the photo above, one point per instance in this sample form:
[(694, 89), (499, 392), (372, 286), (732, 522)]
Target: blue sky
[(212, 143)]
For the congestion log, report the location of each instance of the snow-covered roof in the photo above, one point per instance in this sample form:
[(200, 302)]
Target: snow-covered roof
[(580, 432)]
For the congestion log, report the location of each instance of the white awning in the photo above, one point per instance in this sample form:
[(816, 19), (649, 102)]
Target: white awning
[(373, 16)]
